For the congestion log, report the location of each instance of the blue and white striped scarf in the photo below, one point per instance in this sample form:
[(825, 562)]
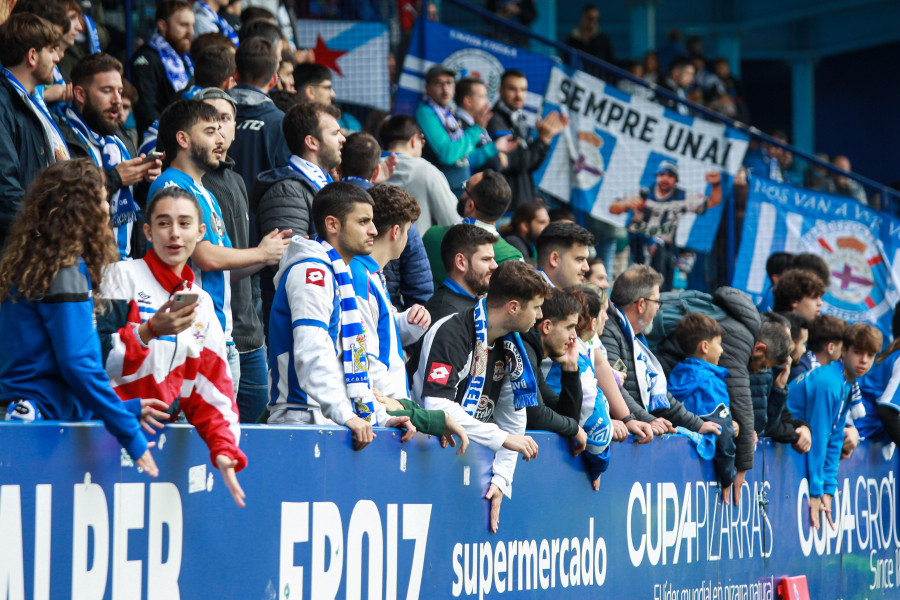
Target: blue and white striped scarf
[(108, 151), (447, 118), (52, 137), (311, 171), (518, 367), (353, 339), (651, 379), (92, 35), (179, 69), (224, 27)]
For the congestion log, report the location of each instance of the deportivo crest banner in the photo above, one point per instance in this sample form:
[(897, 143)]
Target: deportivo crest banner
[(357, 54), (629, 161), (468, 55), (860, 245)]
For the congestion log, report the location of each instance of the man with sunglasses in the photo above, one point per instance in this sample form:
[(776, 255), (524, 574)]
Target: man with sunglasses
[(485, 199), (634, 302)]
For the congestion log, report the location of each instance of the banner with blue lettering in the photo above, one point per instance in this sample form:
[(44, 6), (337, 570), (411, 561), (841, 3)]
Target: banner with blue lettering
[(78, 520), (630, 161), (469, 55), (861, 247), (352, 50)]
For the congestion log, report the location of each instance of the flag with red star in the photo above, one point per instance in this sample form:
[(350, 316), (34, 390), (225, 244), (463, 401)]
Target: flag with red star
[(356, 52)]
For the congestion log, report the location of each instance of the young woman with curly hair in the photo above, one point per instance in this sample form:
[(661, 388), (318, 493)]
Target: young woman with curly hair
[(50, 361), (161, 336)]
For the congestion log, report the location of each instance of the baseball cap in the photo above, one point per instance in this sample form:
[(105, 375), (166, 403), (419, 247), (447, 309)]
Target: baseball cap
[(214, 93), (667, 166), (436, 71)]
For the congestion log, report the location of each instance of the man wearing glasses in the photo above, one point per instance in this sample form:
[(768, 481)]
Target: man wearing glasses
[(400, 135), (634, 302)]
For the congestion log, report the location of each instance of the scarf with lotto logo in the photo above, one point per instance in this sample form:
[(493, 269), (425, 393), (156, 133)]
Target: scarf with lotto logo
[(650, 376), (518, 367), (857, 408), (353, 339), (178, 69)]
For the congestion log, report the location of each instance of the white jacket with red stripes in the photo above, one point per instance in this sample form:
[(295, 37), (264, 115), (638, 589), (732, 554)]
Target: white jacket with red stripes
[(191, 365)]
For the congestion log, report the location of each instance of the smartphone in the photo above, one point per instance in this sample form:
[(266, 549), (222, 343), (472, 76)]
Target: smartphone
[(619, 366), (183, 299), (155, 155)]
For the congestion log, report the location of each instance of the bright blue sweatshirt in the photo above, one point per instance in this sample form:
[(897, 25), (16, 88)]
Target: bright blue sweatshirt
[(879, 387), (50, 355), (820, 397), (699, 385)]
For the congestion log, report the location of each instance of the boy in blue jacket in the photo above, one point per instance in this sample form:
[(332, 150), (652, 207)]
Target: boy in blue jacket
[(821, 397), (698, 382)]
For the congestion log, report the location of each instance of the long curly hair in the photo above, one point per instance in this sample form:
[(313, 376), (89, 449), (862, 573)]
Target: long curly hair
[(62, 218)]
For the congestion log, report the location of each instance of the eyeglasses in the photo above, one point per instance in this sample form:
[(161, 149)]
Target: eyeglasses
[(658, 301)]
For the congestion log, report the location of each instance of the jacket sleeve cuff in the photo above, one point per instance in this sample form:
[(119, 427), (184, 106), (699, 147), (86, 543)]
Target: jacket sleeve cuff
[(137, 446), (134, 407)]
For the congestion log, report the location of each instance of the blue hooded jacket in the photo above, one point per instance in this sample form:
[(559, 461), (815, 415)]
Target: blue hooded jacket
[(699, 385)]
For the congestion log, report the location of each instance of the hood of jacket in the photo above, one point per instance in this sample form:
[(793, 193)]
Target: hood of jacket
[(739, 306), (252, 103), (298, 250), (691, 374), (267, 179)]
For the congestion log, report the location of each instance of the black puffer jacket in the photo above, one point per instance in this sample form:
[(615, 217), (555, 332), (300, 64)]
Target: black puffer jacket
[(740, 329), (619, 346)]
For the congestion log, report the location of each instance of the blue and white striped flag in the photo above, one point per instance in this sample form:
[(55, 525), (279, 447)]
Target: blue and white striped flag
[(608, 161), (861, 247), (469, 55), (357, 54)]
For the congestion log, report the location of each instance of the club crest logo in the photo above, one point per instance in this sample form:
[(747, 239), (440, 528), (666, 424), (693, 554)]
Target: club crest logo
[(859, 274), (472, 62)]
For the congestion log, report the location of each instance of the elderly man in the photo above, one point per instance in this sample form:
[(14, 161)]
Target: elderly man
[(633, 304)]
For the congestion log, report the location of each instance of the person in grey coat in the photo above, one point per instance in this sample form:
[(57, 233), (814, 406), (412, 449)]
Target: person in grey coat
[(634, 301)]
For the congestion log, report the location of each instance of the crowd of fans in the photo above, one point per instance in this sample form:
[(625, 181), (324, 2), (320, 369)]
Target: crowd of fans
[(259, 261)]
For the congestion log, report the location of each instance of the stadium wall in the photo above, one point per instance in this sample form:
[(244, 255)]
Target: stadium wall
[(77, 520)]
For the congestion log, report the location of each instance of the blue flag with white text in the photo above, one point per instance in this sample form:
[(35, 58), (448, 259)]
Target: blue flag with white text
[(861, 247), (469, 55)]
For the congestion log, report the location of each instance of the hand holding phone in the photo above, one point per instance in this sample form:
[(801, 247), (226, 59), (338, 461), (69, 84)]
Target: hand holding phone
[(182, 299)]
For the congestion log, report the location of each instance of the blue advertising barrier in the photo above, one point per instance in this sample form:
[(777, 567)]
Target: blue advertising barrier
[(78, 520)]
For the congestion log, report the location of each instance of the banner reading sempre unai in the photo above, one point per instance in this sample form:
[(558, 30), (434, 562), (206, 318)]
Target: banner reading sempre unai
[(630, 161)]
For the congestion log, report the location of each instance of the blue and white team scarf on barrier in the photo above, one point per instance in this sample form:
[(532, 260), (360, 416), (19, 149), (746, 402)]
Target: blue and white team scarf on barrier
[(51, 132), (353, 339), (108, 151), (92, 35), (179, 69), (650, 376), (312, 172), (518, 367), (222, 24)]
